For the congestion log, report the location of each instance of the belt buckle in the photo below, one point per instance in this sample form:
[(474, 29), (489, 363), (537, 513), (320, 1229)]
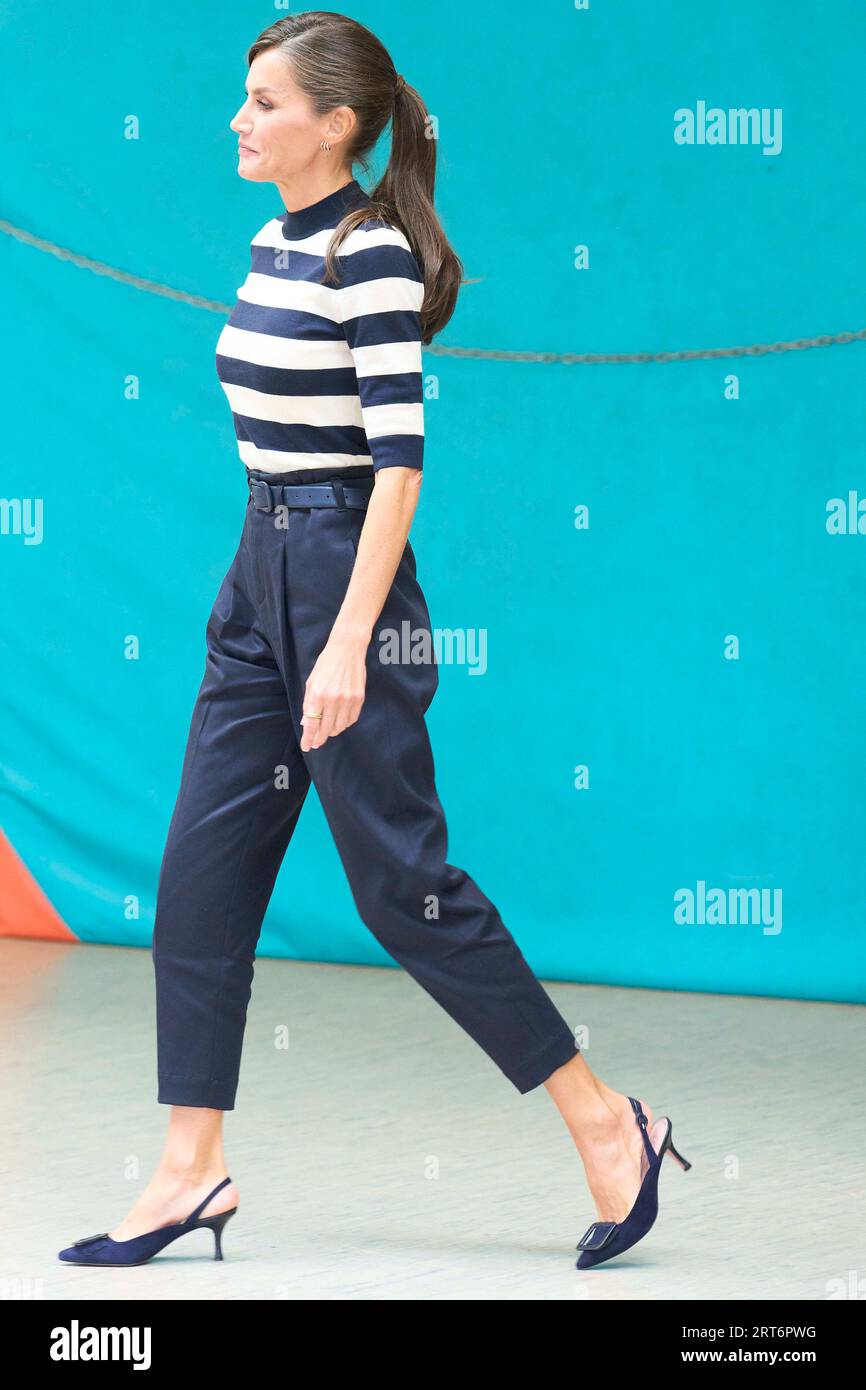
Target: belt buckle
[(260, 489)]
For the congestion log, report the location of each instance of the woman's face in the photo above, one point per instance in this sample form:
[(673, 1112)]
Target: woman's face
[(278, 132)]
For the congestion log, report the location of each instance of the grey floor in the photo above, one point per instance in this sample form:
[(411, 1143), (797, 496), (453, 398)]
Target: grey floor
[(381, 1155)]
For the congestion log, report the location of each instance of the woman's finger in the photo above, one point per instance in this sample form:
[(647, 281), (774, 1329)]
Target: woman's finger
[(328, 704), (348, 713), (312, 719)]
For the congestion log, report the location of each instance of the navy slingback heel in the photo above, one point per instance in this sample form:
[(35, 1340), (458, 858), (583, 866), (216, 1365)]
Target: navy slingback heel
[(605, 1239), (102, 1250)]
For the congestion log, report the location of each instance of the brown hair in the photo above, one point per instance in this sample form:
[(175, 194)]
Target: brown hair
[(336, 61)]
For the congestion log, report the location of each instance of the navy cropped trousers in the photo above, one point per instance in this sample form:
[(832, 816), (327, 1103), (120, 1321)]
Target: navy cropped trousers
[(243, 783)]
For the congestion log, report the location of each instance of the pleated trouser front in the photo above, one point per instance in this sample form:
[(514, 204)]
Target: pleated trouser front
[(243, 784)]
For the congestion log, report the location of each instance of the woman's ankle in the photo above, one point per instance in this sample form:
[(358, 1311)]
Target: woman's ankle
[(191, 1170)]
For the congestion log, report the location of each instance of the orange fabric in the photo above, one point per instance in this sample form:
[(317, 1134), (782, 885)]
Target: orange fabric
[(24, 908)]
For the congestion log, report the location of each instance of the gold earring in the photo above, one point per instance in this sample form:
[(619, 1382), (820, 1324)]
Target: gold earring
[(326, 145)]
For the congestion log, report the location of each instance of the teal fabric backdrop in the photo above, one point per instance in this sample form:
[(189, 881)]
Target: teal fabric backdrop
[(608, 646)]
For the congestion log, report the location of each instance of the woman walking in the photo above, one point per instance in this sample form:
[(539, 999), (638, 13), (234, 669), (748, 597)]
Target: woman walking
[(321, 364)]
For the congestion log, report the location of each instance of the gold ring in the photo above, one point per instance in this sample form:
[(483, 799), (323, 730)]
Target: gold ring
[(312, 716)]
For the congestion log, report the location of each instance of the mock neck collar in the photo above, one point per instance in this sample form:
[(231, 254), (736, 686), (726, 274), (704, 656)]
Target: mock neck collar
[(327, 212)]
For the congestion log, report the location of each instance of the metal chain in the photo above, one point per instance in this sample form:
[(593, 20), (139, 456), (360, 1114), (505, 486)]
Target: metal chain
[(63, 253), (99, 268), (683, 355)]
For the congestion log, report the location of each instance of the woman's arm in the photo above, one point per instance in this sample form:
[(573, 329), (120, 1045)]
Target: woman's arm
[(378, 307), (337, 682)]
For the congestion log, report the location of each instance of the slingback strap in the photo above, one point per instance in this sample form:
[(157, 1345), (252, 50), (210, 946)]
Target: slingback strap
[(642, 1121), (201, 1206)]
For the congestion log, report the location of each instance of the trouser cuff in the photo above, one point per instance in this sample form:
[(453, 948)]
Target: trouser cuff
[(212, 1095), (537, 1068)]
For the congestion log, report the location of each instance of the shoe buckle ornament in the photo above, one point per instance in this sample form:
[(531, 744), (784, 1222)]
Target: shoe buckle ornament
[(598, 1235), (85, 1240)]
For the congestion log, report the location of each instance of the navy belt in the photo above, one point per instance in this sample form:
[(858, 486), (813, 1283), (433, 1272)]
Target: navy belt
[(267, 496)]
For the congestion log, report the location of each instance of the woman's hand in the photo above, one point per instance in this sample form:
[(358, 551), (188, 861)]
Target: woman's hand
[(335, 689), (337, 683)]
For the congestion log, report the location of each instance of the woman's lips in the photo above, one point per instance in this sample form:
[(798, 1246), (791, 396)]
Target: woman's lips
[(245, 149)]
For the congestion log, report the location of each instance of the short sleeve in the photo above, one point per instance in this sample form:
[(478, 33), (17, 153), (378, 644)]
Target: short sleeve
[(380, 302)]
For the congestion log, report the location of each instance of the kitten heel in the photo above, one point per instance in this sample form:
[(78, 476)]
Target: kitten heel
[(683, 1162), (217, 1225)]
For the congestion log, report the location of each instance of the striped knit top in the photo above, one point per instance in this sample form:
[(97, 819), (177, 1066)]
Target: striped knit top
[(324, 380)]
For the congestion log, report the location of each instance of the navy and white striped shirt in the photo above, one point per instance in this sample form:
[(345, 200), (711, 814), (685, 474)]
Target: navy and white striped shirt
[(324, 381)]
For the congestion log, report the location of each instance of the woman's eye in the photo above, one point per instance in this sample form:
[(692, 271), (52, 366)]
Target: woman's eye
[(265, 105)]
